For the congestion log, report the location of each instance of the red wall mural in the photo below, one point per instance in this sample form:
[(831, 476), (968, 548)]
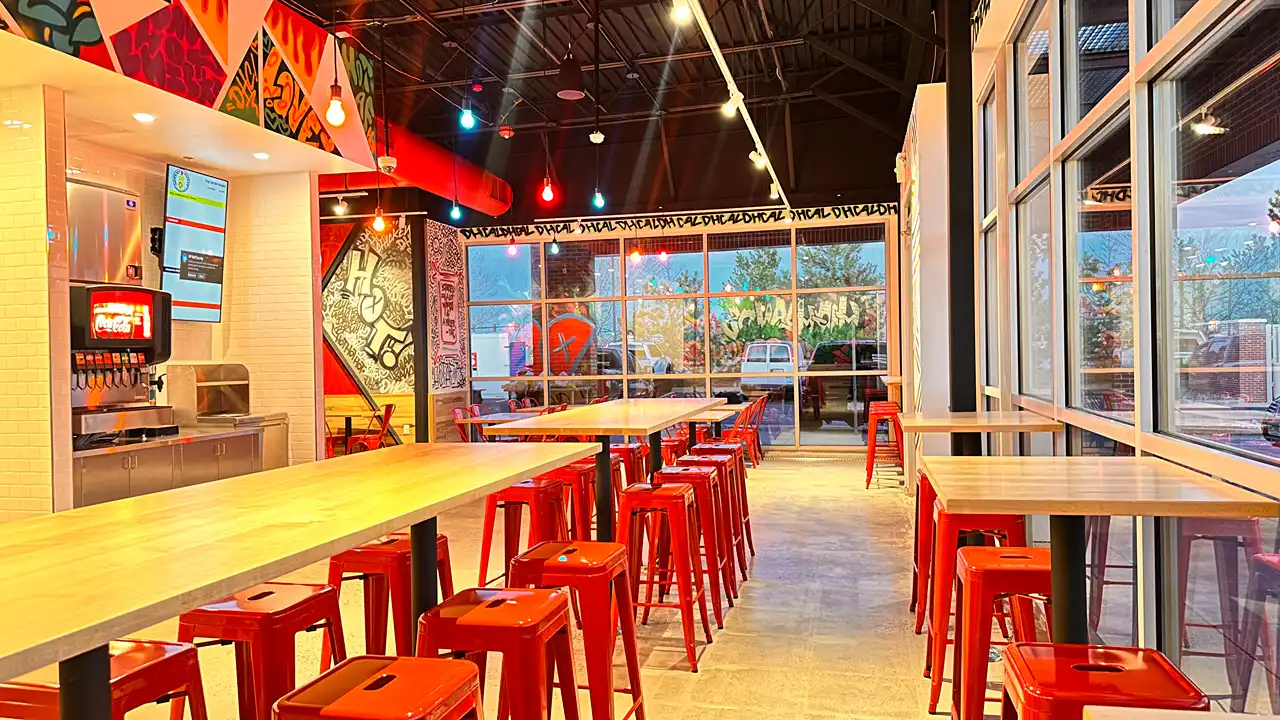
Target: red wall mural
[(285, 108), (167, 51)]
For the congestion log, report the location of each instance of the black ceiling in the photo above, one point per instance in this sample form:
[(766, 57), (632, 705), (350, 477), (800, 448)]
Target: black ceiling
[(828, 82)]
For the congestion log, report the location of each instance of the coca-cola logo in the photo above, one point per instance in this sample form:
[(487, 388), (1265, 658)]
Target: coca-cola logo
[(122, 321)]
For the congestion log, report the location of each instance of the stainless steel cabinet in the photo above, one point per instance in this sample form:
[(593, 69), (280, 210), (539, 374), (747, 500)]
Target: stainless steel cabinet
[(240, 455), (100, 478), (129, 473), (198, 462), (152, 471)]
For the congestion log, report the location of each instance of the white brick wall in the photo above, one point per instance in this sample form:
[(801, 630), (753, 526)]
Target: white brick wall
[(29, 243), (271, 302)]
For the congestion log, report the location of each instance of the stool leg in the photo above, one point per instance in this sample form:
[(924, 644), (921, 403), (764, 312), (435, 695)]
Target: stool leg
[(738, 529), (627, 625), (486, 537), (401, 588), (376, 597), (924, 549), (177, 706), (973, 646), (684, 586), (726, 563), (524, 693), (335, 579), (445, 568), (944, 572), (598, 644), (654, 527), (562, 648), (873, 429), (194, 691), (1225, 553), (706, 528), (746, 510), (513, 522), (257, 658)]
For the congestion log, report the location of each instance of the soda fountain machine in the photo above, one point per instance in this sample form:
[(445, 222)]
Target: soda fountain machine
[(119, 333)]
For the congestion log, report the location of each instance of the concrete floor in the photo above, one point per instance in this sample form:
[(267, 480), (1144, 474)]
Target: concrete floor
[(821, 630)]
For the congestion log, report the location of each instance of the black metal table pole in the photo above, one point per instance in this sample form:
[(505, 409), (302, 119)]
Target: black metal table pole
[(1067, 555), (84, 686), (717, 427), (655, 453), (604, 491), (422, 544), (346, 441), (693, 433)]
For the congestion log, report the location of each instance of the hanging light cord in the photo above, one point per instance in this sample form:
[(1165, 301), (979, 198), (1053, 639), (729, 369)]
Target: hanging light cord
[(597, 89)]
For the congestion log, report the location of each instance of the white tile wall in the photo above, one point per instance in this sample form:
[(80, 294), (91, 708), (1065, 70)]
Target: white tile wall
[(271, 302)]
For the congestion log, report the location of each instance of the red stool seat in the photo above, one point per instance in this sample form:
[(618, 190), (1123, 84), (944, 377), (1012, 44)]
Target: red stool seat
[(636, 459), (729, 515), (529, 628), (388, 688), (262, 622), (675, 503), (986, 574), (384, 567), (738, 449), (1043, 681), (142, 672), (548, 519), (598, 572)]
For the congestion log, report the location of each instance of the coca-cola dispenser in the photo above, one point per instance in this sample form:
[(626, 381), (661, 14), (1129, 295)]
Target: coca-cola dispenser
[(118, 334)]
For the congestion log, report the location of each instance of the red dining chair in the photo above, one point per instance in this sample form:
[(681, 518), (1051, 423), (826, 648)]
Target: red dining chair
[(461, 413), (528, 403), (373, 436), (514, 405), (477, 410)]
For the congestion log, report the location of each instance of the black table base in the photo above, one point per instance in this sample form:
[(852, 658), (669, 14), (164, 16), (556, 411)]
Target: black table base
[(604, 491), (423, 571), (84, 686), (1067, 543)]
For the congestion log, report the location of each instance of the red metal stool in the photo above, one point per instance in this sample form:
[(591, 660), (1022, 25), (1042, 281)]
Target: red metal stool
[(635, 457), (579, 481), (142, 672), (672, 448), (887, 411), (383, 567), (675, 503), (987, 574), (598, 572), (1055, 682), (709, 497), (548, 519), (388, 688), (925, 498), (1264, 584), (529, 627), (262, 622), (729, 516), (739, 452), (1011, 530)]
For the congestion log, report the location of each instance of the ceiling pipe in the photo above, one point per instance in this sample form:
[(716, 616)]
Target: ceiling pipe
[(424, 164)]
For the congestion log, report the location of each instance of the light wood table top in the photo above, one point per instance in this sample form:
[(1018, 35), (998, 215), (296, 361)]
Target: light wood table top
[(493, 419), (75, 580), (1121, 713), (531, 410), (1086, 486), (713, 416), (640, 416), (1001, 421), (734, 407), (891, 379)]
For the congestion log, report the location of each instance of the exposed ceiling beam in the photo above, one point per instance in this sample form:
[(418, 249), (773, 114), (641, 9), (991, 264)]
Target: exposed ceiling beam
[(791, 148), (902, 21), (666, 160), (870, 120), (867, 69)]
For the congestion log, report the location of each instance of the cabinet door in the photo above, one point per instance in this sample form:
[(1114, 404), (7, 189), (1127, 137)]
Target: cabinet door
[(240, 456), (102, 478), (152, 471), (197, 462)]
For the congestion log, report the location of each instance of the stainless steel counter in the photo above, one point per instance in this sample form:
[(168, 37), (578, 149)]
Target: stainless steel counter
[(185, 435)]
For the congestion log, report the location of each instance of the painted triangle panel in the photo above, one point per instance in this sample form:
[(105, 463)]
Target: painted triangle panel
[(68, 26), (116, 15), (301, 42), (360, 73), (241, 100), (166, 50), (285, 107), (213, 17)]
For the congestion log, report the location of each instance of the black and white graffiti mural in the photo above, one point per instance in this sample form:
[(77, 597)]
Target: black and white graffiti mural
[(368, 310), (446, 300)]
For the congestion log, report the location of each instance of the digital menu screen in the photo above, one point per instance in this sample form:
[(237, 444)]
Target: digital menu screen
[(195, 234)]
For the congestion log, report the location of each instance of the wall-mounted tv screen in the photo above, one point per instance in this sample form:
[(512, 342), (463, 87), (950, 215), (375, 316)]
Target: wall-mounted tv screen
[(195, 239)]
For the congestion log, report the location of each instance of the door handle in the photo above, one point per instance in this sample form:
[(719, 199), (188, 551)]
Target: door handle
[(124, 462)]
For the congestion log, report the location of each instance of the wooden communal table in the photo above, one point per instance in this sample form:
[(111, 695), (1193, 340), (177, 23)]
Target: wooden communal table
[(983, 421), (714, 417), (1069, 488), (73, 581), (647, 417)]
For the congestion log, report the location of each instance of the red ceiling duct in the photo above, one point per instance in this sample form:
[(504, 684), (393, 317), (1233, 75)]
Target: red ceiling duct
[(421, 163)]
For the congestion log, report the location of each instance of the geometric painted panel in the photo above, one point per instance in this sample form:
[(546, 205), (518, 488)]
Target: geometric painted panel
[(166, 50), (300, 41), (241, 100), (285, 107), (68, 26), (360, 73), (213, 17)]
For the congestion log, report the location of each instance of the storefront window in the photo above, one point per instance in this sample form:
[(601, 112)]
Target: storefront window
[(1035, 295), (495, 395), (991, 307), (506, 340), (585, 338), (988, 141), (666, 386), (778, 427), (1103, 350), (850, 256), (752, 334), (664, 266), (667, 336), (746, 262), (1221, 319), (584, 269), (843, 331), (1112, 573), (493, 274), (833, 408), (1101, 52), (1031, 60), (582, 392)]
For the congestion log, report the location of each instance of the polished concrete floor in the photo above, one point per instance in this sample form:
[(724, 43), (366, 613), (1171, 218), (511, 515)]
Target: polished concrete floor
[(820, 631)]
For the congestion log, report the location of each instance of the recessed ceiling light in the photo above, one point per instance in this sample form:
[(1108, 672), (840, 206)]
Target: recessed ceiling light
[(144, 117), (261, 156)]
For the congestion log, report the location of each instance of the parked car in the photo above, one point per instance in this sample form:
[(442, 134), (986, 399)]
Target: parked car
[(768, 356), (1271, 423), (609, 362)]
